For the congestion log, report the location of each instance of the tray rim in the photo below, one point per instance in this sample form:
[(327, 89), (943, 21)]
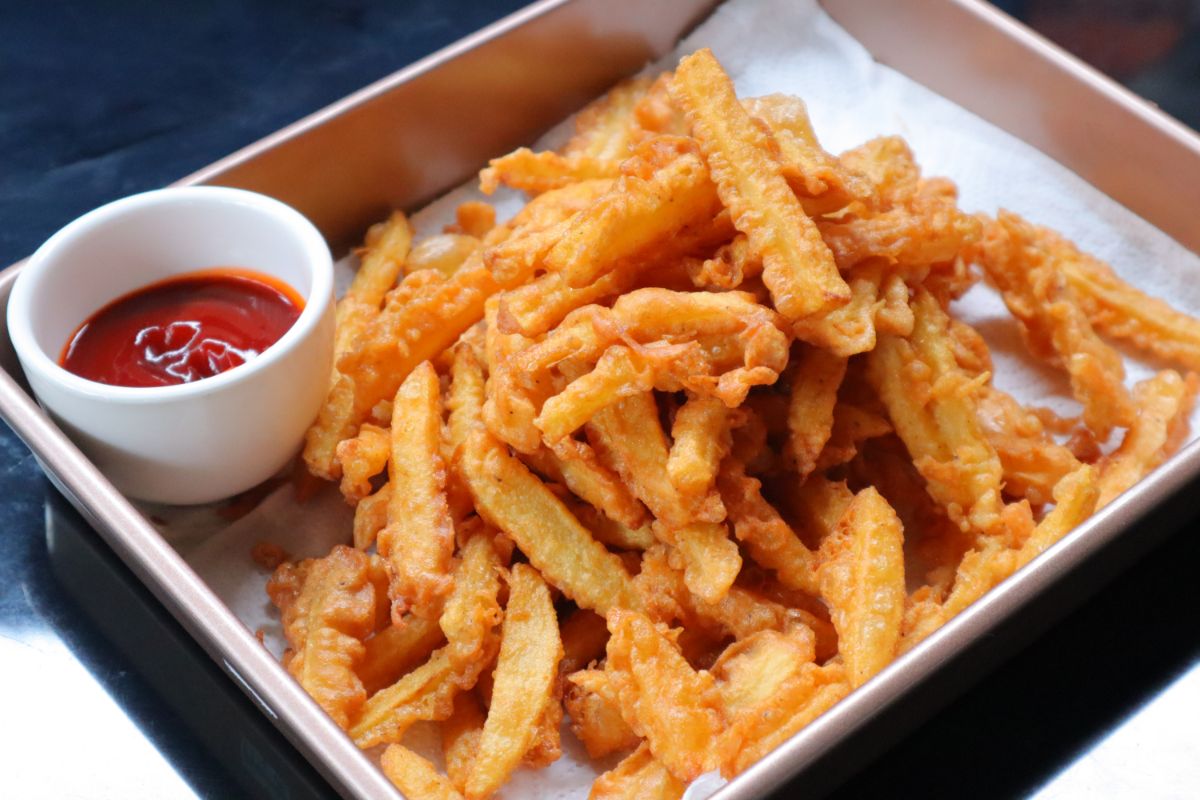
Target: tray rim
[(226, 640)]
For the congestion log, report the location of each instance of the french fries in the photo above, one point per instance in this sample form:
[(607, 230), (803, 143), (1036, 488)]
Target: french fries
[(693, 445), (797, 266), (419, 538), (530, 649)]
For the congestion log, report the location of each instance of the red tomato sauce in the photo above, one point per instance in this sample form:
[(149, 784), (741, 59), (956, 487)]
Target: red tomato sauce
[(182, 329)]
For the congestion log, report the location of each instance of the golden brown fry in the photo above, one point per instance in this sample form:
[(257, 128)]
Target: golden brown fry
[(415, 776), (701, 439), (815, 380), (419, 538), (396, 649), (862, 578), (768, 539), (674, 707), (512, 403), (530, 650), (1025, 264), (797, 266), (328, 608), (535, 173), (932, 405), (514, 500), (1163, 403), (636, 215), (638, 775), (1120, 311), (466, 398), (362, 457), (471, 615), (443, 253), (460, 737)]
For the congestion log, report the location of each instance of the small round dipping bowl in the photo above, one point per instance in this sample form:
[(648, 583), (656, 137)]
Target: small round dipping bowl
[(195, 442)]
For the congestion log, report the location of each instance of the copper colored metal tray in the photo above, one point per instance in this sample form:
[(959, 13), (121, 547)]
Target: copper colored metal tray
[(414, 134)]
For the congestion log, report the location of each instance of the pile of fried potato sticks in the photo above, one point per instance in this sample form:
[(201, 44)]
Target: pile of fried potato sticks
[(692, 446)]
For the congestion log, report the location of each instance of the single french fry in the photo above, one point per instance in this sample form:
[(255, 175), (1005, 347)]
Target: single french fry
[(530, 650), (674, 707), (1025, 264), (328, 608), (419, 538), (862, 578), (415, 776), (701, 438), (798, 268), (815, 380), (396, 649), (460, 738), (467, 394), (534, 173), (1163, 405), (638, 775), (515, 501)]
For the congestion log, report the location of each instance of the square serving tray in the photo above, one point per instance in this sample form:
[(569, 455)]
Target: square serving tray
[(411, 136)]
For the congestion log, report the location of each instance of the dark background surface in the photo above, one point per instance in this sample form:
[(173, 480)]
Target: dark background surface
[(100, 100)]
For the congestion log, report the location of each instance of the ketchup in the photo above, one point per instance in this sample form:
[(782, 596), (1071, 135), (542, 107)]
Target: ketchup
[(182, 329)]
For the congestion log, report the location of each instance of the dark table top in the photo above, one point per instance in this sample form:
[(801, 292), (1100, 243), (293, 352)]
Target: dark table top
[(104, 696)]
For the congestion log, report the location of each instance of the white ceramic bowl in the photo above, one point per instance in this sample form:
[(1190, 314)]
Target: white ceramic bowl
[(195, 442)]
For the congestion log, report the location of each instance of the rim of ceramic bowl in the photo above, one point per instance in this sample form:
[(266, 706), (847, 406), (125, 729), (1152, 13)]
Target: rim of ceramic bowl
[(22, 305)]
